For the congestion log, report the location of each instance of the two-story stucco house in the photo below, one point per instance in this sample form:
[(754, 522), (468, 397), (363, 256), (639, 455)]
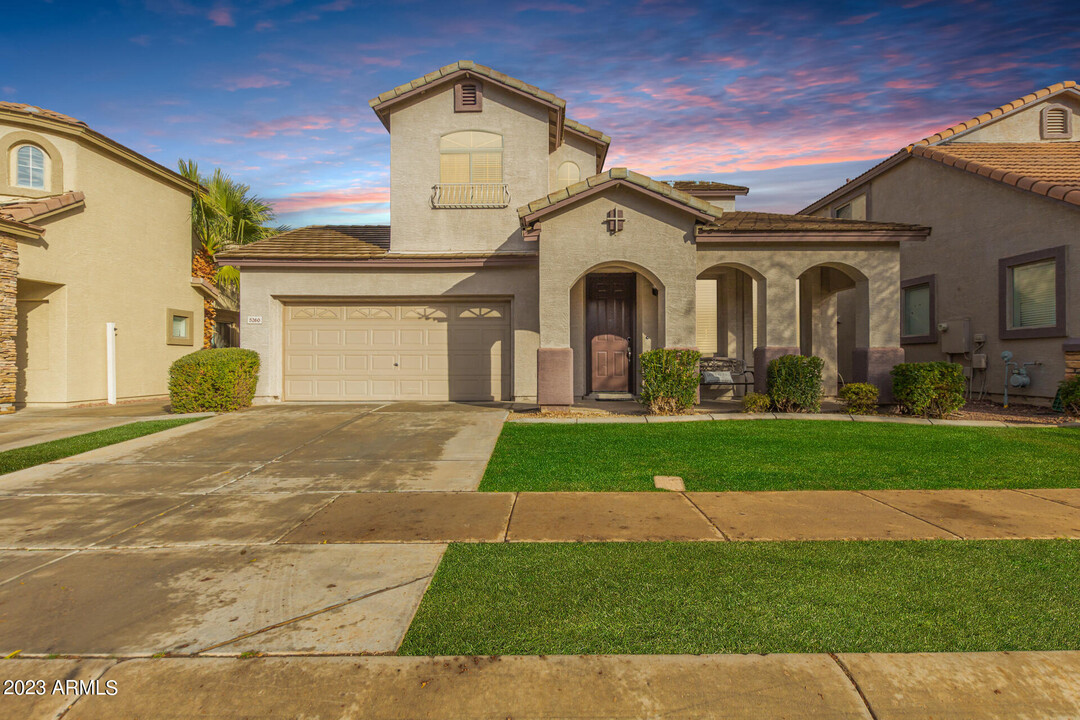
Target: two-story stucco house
[(516, 267), (1002, 270), (91, 233)]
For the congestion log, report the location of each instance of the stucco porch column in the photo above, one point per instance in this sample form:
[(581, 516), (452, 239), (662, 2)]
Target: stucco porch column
[(780, 334), (819, 313), (877, 339), (554, 357)]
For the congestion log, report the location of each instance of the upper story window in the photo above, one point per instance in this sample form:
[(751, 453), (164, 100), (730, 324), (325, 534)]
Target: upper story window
[(468, 96), (30, 167), (843, 212), (567, 174), (471, 171), (1056, 122)]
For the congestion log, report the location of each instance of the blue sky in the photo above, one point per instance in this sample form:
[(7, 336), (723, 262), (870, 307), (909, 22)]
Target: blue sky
[(789, 98)]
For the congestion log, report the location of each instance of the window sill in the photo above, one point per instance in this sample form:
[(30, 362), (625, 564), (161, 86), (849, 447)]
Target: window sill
[(1055, 331), (918, 339)]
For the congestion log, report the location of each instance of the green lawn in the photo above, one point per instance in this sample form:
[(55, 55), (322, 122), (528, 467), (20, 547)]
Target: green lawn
[(929, 596), (31, 455), (781, 455)]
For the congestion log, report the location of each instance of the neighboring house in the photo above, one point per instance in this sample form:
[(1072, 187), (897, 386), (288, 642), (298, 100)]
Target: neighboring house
[(91, 233), (516, 268), (1002, 270)]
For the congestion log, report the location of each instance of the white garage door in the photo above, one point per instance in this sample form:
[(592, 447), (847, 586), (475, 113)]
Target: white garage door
[(399, 351)]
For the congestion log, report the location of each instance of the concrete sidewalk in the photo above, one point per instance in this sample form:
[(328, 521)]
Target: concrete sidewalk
[(855, 686), (605, 517), (38, 425)]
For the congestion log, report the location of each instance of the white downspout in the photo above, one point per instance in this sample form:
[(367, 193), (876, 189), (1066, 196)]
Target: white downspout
[(110, 360)]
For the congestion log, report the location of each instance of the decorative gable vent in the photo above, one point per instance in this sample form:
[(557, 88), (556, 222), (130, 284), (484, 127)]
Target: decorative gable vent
[(468, 96), (614, 220), (1056, 122)]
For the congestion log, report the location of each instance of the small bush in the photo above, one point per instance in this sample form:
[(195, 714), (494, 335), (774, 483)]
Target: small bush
[(669, 380), (1069, 391), (214, 380), (930, 389), (860, 398), (794, 383), (755, 403)]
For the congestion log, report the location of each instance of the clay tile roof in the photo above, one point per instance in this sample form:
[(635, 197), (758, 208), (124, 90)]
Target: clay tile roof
[(25, 210), (584, 129), (475, 68), (996, 112), (317, 242), (1051, 169), (34, 111), (691, 186), (747, 221), (618, 174)]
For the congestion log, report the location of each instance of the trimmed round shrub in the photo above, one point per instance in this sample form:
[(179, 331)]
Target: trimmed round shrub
[(860, 398), (214, 380), (756, 403), (929, 389), (794, 383), (669, 380), (1069, 392)]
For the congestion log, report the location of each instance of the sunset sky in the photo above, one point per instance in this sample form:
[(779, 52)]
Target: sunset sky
[(789, 98)]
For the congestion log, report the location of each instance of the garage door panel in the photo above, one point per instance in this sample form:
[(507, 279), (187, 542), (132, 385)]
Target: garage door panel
[(414, 350)]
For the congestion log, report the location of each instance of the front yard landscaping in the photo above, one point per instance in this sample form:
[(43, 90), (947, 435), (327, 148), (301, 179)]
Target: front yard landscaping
[(24, 457), (796, 597), (780, 455)]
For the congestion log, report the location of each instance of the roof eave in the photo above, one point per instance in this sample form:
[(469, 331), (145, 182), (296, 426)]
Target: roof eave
[(845, 236), (106, 143), (22, 230), (529, 217)]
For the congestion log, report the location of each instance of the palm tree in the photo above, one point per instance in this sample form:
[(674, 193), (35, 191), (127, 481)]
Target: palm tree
[(224, 214)]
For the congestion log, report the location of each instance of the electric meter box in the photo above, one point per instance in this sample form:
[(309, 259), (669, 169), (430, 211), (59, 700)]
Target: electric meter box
[(957, 339)]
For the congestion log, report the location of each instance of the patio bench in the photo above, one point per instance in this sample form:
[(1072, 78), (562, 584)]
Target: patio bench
[(725, 372)]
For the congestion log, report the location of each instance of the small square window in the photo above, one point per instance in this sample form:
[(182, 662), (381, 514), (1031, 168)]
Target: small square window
[(179, 327)]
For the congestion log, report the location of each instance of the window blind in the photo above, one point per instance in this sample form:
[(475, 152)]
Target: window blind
[(1034, 291), (916, 305)]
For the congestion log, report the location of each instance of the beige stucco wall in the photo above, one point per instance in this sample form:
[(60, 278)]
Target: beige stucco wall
[(266, 290), (125, 258), (1024, 125), (976, 222), (415, 130), (573, 149), (657, 240)]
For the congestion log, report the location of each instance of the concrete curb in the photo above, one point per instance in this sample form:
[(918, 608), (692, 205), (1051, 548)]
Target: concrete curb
[(587, 420)]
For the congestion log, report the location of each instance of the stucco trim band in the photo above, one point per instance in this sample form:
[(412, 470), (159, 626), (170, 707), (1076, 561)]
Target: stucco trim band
[(473, 262)]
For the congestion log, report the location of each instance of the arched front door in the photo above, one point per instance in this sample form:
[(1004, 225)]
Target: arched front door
[(609, 330)]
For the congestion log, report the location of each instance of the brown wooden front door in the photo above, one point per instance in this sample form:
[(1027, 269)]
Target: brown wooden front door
[(609, 330)]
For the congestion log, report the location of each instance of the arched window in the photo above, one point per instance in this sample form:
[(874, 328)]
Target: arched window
[(30, 167), (567, 174), (471, 156)]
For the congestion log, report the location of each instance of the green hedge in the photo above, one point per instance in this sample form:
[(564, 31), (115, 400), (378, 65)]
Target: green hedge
[(214, 380), (1069, 391), (930, 389), (794, 383), (860, 398), (753, 402), (669, 380)]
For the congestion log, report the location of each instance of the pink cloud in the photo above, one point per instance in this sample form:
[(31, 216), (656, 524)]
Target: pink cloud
[(221, 16), (909, 85), (315, 200), (731, 61), (555, 7), (290, 124), (264, 25), (252, 82), (858, 19), (682, 97)]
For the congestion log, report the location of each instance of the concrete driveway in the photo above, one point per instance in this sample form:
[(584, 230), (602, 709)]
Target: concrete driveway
[(170, 543)]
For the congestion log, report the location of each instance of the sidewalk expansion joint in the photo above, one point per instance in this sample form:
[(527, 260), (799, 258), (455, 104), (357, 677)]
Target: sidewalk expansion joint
[(1040, 497), (707, 518), (510, 518), (855, 684), (313, 613), (78, 696), (911, 515)]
